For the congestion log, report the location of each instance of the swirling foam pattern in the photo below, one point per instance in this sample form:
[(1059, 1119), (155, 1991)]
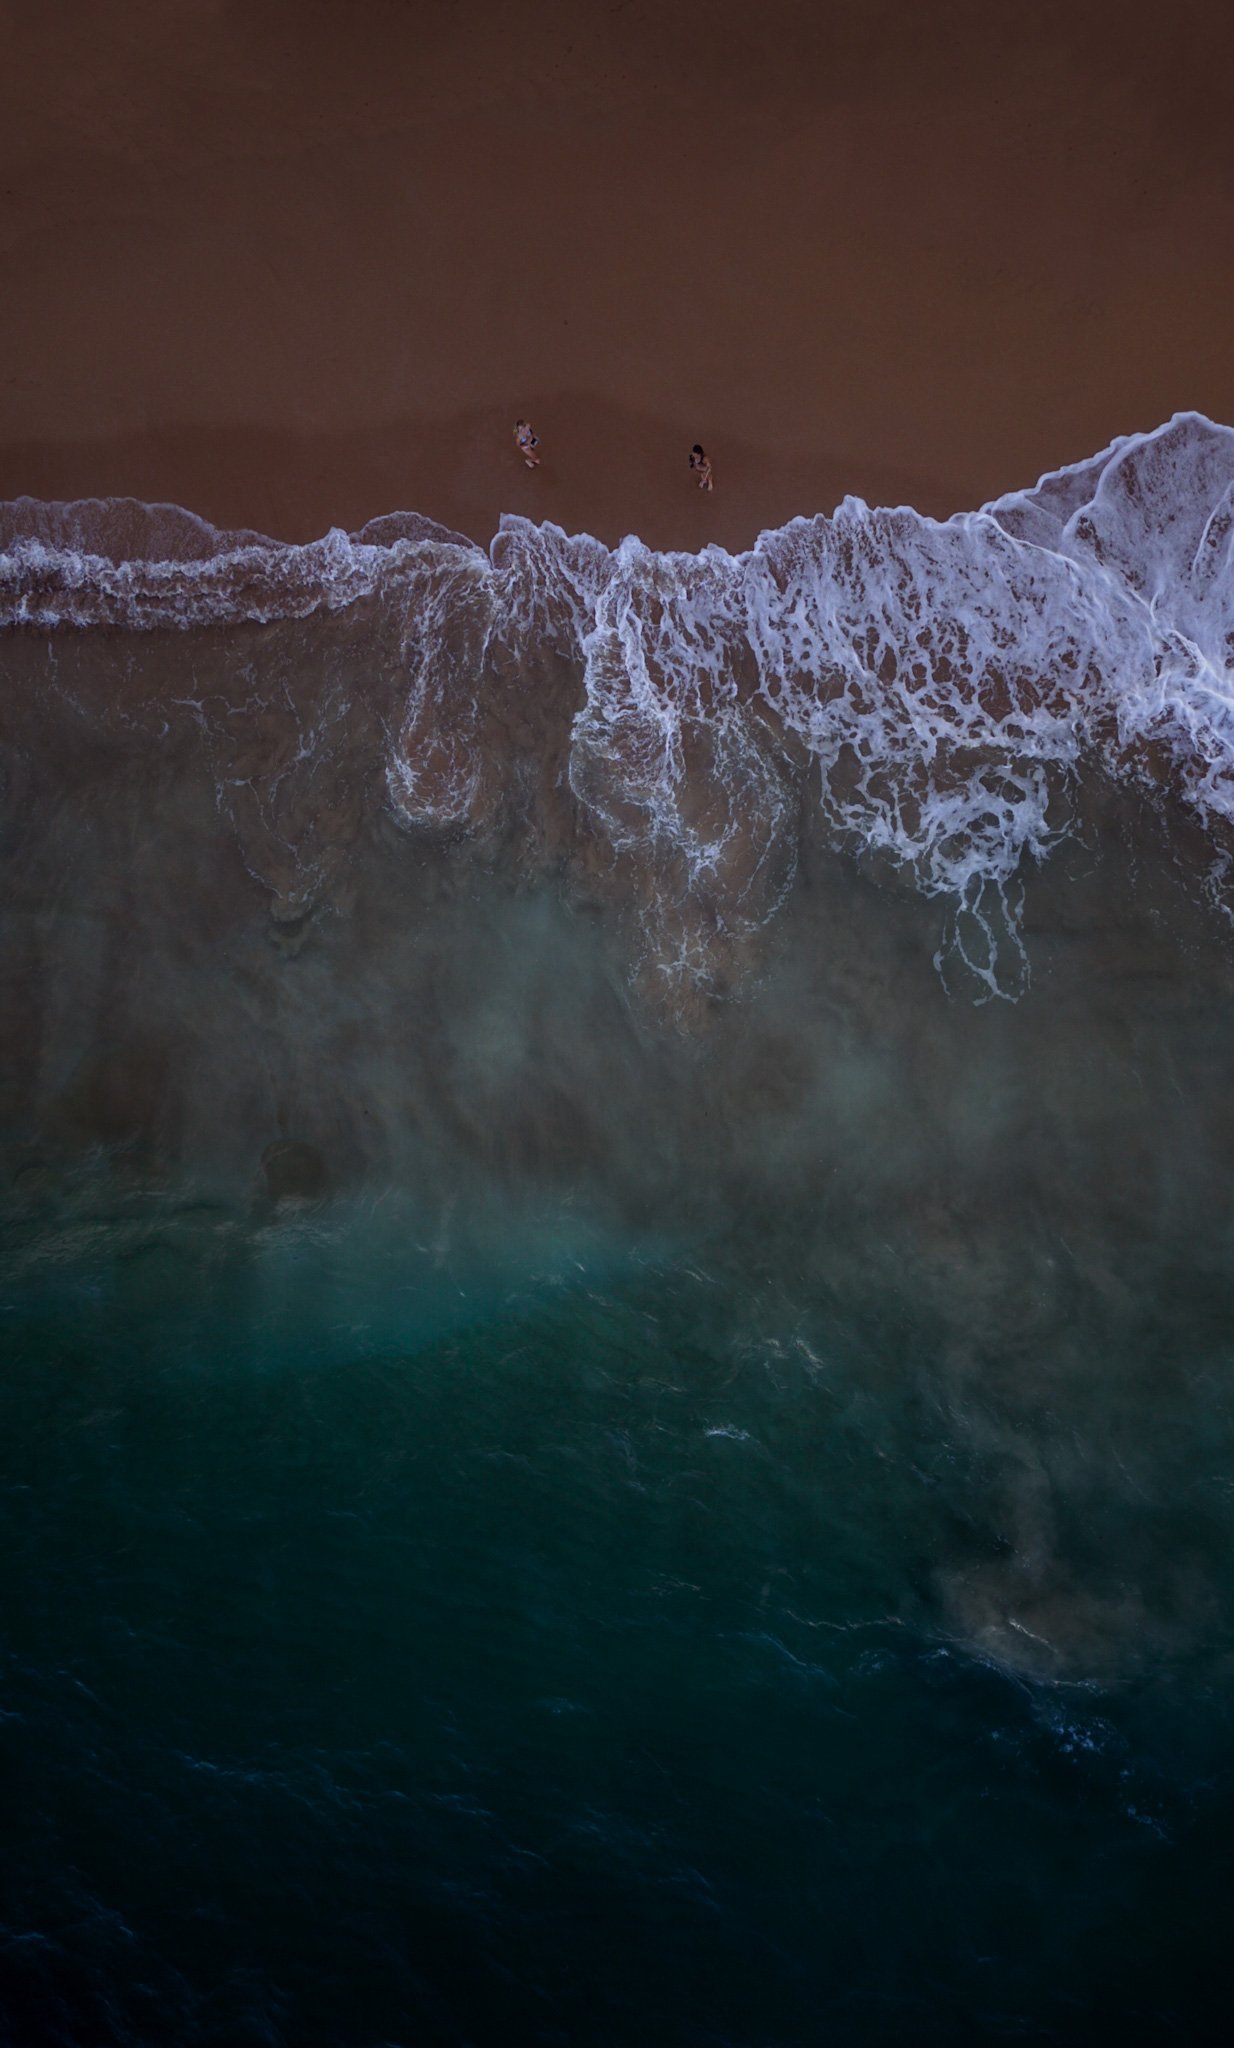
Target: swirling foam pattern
[(933, 686)]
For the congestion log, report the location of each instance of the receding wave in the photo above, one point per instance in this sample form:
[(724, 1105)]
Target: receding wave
[(930, 691)]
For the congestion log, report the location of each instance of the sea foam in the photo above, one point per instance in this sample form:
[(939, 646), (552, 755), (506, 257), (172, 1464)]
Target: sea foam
[(933, 687)]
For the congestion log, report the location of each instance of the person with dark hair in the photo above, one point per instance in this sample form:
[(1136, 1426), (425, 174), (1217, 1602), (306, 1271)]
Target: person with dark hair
[(528, 442), (700, 462)]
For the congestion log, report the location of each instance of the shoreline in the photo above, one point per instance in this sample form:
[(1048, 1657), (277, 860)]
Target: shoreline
[(464, 473), (217, 497)]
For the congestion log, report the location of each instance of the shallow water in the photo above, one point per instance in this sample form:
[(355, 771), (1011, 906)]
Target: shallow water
[(577, 1465)]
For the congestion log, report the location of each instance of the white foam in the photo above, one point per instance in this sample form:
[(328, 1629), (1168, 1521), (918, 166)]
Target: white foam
[(941, 681)]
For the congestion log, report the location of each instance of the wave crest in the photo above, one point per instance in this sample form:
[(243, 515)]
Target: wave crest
[(930, 688)]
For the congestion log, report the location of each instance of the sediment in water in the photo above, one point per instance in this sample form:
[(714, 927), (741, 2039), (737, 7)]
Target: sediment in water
[(854, 910)]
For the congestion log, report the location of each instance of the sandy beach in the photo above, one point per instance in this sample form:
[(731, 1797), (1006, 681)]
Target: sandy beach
[(296, 266)]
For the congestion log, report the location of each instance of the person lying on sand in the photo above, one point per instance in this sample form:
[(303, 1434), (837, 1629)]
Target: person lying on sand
[(528, 443), (700, 462)]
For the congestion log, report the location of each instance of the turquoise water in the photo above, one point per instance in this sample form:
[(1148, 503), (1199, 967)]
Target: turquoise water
[(615, 1421), (567, 1662), (729, 1542)]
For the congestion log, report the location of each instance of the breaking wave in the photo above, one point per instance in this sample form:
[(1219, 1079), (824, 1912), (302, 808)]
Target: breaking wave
[(929, 690)]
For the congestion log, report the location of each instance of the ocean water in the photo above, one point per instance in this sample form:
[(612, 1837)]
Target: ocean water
[(617, 1286)]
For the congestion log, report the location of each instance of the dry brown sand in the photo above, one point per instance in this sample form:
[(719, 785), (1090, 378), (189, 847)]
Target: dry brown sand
[(295, 265)]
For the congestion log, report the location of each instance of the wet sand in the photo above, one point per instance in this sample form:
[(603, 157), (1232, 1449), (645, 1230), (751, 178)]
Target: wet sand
[(296, 266)]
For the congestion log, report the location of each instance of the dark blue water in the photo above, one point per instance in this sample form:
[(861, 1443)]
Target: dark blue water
[(393, 1653)]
